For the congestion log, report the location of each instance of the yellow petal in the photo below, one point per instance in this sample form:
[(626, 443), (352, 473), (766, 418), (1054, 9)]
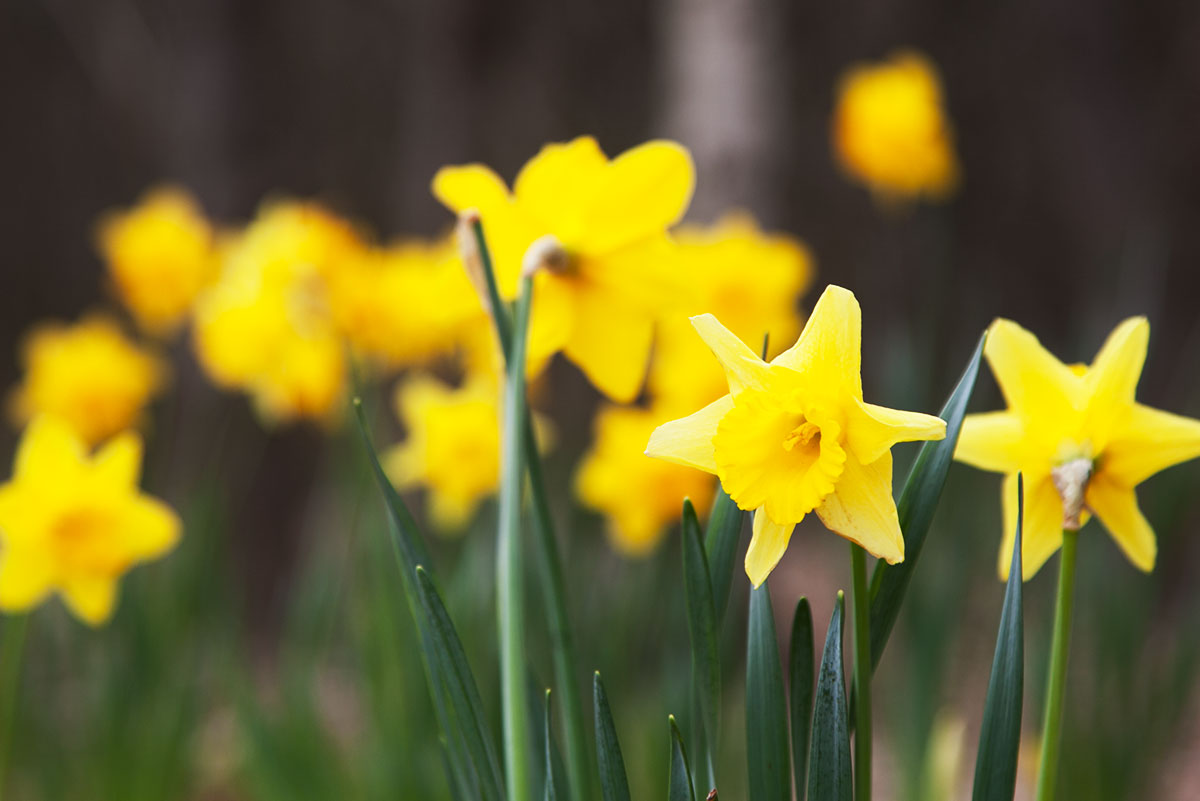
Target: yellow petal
[(743, 367), (1148, 440), (1112, 379), (152, 528), (26, 577), (49, 452), (1041, 534), (470, 186), (1036, 384), (118, 465), (610, 341), (829, 348), (1117, 508), (554, 186), (689, 441), (862, 510), (645, 191), (90, 598), (992, 441), (873, 430), (767, 545), (550, 319)]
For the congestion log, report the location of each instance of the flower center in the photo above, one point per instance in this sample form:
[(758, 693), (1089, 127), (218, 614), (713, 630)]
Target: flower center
[(1071, 479), (802, 435), (85, 540)]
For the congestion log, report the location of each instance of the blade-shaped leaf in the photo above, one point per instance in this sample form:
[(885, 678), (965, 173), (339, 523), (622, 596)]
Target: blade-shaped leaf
[(766, 706), (800, 682), (551, 786), (614, 786), (829, 770), (449, 663), (918, 501), (702, 625), (1000, 734), (720, 545), (679, 784)]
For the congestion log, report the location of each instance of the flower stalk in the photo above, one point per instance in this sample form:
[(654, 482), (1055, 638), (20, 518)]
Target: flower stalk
[(10, 681), (862, 674), (1056, 682)]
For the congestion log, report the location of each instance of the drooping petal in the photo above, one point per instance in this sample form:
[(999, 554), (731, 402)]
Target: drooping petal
[(829, 349), (554, 187), (873, 430), (743, 367), (26, 577), (118, 465), (767, 546), (1117, 507), (1036, 385), (610, 341), (992, 441), (1042, 532), (1146, 441), (470, 186), (645, 190), (90, 597), (862, 510), (689, 441), (550, 319)]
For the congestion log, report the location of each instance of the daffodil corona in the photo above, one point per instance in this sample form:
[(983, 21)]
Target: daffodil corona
[(1080, 438), (795, 436), (74, 523)]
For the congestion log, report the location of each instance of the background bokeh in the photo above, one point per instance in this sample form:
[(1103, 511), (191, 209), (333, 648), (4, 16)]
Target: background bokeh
[(1077, 127)]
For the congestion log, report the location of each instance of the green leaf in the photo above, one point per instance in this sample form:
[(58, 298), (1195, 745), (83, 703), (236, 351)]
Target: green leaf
[(551, 786), (829, 777), (766, 706), (918, 501), (614, 785), (1000, 734), (800, 682), (721, 544), (449, 663), (702, 626), (679, 784)]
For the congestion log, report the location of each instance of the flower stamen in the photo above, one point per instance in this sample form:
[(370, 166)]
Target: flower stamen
[(802, 435)]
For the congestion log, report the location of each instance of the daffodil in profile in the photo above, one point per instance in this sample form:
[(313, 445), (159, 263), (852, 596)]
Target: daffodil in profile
[(1079, 437), (74, 523), (89, 374), (795, 436), (611, 267)]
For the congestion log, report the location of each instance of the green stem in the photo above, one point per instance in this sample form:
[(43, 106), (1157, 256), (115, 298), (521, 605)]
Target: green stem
[(510, 600), (1056, 682), (10, 682), (549, 567), (862, 674)]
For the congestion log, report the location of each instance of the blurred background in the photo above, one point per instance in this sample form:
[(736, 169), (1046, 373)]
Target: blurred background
[(1076, 127)]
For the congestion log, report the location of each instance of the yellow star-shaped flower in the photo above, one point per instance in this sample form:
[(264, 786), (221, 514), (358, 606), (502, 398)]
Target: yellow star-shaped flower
[(75, 523), (795, 436), (1079, 437)]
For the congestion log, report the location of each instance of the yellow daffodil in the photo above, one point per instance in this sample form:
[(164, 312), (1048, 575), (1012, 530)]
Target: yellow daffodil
[(795, 436), (266, 327), (160, 254), (750, 281), (453, 446), (89, 375), (890, 129), (1080, 438), (640, 496), (408, 304), (611, 268), (75, 523)]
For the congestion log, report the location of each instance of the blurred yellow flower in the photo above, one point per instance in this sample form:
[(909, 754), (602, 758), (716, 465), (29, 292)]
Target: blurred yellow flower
[(408, 304), (89, 375), (266, 327), (749, 280), (1080, 438), (160, 254), (613, 268), (890, 129), (640, 496), (75, 523), (794, 436), (453, 446)]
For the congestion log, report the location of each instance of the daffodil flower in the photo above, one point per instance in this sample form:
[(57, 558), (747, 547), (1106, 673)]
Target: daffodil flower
[(1080, 438), (795, 436), (74, 523), (611, 270)]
